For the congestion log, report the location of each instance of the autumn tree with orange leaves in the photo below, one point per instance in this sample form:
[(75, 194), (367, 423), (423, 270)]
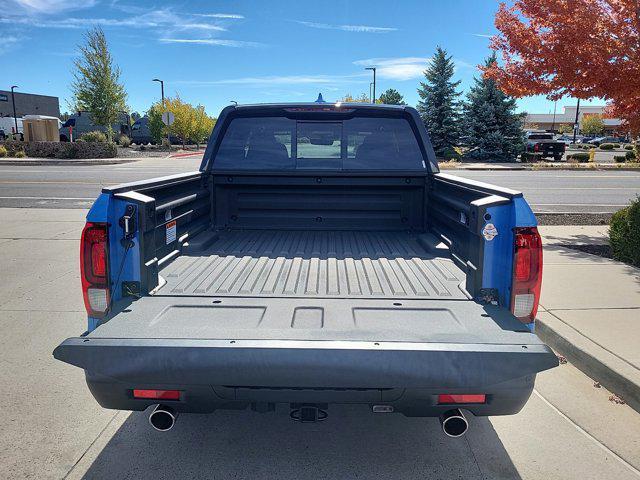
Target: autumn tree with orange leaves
[(579, 48)]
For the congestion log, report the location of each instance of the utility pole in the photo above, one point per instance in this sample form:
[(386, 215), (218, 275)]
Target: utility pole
[(13, 100), (553, 125), (373, 98), (575, 124)]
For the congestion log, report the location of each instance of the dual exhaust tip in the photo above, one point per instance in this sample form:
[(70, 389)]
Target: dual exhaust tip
[(453, 422)]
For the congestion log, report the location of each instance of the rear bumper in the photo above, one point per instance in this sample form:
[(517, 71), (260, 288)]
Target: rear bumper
[(216, 374)]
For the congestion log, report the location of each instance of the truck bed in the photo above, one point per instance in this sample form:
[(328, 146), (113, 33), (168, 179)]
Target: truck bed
[(334, 264)]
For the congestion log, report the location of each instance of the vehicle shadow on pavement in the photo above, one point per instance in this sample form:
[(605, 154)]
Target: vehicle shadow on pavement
[(351, 443)]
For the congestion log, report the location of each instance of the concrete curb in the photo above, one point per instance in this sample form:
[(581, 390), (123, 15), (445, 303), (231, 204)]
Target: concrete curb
[(61, 162), (598, 363)]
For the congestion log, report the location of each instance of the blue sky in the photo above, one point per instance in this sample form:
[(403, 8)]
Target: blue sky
[(248, 51)]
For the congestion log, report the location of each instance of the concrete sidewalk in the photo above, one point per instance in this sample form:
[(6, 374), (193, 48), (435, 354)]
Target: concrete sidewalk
[(590, 309)]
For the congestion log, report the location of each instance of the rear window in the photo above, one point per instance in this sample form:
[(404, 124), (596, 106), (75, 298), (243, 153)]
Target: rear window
[(541, 136), (278, 143)]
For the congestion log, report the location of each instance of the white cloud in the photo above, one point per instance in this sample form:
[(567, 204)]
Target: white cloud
[(201, 26), (400, 68), (404, 68), (9, 42), (50, 6), (234, 16), (279, 80), (212, 41), (164, 18), (348, 28), (482, 35)]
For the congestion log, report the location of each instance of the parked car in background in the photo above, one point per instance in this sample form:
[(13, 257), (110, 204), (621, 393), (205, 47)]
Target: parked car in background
[(81, 122), (544, 144), (566, 139), (600, 140), (8, 127), (140, 132)]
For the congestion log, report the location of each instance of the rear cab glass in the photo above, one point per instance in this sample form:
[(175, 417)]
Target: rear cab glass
[(290, 143), (540, 136)]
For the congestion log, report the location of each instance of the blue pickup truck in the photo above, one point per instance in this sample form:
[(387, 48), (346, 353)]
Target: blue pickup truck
[(317, 257)]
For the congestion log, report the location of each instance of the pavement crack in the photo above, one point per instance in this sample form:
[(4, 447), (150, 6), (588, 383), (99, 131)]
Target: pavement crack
[(91, 445), (587, 434)]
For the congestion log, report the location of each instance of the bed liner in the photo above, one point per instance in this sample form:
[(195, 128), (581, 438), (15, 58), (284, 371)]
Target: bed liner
[(317, 264)]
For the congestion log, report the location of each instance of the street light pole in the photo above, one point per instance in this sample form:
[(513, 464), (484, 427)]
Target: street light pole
[(13, 100), (553, 125), (163, 107), (161, 89), (575, 124), (370, 95), (373, 99)]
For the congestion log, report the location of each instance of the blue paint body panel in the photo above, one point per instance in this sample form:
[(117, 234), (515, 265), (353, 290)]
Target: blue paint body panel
[(498, 253), (122, 266)]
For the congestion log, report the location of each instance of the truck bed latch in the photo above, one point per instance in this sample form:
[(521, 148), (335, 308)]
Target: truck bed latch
[(128, 222)]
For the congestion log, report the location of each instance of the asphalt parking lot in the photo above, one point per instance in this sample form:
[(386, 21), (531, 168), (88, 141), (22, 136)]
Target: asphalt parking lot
[(52, 427)]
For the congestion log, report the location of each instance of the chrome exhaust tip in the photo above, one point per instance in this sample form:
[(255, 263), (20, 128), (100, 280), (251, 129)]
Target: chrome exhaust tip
[(453, 422), (163, 418)]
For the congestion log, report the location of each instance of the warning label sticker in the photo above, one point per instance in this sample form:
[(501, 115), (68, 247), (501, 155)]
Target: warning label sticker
[(171, 232)]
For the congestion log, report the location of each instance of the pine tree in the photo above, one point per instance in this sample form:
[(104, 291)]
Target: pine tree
[(492, 129), (96, 86), (438, 105), (391, 97)]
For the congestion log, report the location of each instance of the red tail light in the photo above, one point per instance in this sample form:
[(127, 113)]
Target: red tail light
[(94, 268), (527, 273), (536, 147)]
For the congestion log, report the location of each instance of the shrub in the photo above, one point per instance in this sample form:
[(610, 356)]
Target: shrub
[(95, 136), (63, 149), (628, 147), (124, 141), (606, 146), (624, 234), (636, 149), (20, 154), (630, 156), (166, 143), (619, 158), (530, 157), (581, 157), (451, 154), (616, 145), (3, 151)]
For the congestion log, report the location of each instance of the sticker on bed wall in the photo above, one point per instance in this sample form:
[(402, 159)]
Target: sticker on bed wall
[(171, 232), (489, 232)]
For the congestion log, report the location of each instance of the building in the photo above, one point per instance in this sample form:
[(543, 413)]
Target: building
[(566, 118), (28, 104)]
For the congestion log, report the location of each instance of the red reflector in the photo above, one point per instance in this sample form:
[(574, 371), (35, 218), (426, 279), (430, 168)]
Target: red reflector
[(98, 260), (157, 394), (463, 398)]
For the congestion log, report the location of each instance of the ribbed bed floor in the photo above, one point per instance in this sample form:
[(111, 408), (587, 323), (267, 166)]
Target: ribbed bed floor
[(314, 264)]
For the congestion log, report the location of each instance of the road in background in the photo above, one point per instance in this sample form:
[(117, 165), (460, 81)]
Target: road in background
[(565, 191), (78, 186)]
